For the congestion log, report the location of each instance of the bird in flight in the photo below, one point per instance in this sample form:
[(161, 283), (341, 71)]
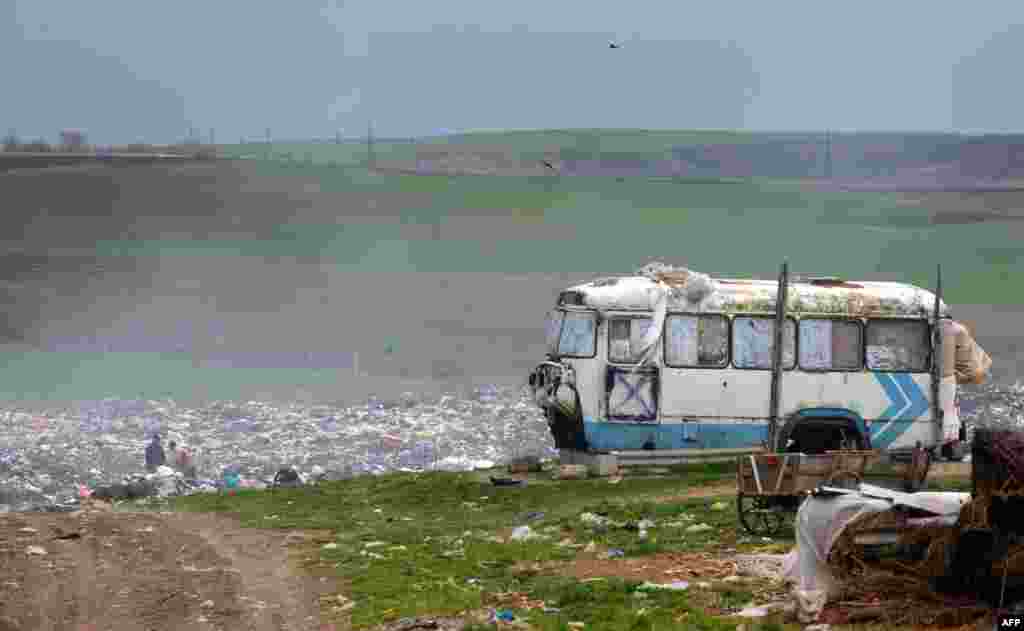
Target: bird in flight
[(614, 45)]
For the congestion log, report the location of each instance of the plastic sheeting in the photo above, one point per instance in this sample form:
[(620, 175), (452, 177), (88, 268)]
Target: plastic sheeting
[(683, 283), (950, 411), (962, 357), (816, 344), (754, 339), (821, 520)]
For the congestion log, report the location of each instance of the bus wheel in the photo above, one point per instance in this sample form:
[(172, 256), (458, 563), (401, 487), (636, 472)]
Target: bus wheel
[(816, 438), (759, 514)]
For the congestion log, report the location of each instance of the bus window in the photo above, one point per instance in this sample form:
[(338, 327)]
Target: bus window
[(897, 345), (577, 339), (829, 344), (625, 339), (697, 341), (552, 329), (753, 338)]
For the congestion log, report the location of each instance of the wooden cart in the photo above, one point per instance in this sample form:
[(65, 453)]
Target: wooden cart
[(768, 486)]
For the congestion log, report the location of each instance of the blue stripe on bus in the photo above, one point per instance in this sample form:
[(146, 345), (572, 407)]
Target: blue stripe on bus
[(619, 435), (604, 435)]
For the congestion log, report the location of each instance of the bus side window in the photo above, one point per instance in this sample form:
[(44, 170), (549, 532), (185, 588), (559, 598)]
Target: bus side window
[(753, 338), (697, 341), (829, 344), (625, 339), (897, 345)]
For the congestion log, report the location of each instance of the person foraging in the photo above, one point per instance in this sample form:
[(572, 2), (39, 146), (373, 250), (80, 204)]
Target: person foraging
[(155, 456)]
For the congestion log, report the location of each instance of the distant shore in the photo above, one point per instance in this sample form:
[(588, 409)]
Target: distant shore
[(11, 160)]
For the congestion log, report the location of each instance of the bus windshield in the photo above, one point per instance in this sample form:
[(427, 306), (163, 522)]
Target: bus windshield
[(577, 337)]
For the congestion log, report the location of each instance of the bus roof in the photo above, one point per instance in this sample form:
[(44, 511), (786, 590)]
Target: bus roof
[(832, 297)]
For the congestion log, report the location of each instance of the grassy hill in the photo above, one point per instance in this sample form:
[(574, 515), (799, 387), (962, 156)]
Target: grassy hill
[(709, 153)]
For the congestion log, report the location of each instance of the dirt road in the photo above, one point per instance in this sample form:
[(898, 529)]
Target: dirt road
[(98, 571)]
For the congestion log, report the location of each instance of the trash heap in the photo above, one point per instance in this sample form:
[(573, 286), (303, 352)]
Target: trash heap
[(992, 405), (45, 456), (957, 551)]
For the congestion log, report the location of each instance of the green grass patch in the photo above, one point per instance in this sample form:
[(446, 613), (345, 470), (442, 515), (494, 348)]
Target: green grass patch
[(419, 544), (437, 544)]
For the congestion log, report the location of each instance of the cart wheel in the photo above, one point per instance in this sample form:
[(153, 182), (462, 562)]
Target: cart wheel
[(758, 514), (917, 472), (844, 480)]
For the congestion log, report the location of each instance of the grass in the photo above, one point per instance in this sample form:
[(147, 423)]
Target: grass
[(418, 544), (437, 544)]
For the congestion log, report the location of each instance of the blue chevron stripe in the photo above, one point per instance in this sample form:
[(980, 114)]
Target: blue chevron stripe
[(906, 392), (919, 402), (896, 400)]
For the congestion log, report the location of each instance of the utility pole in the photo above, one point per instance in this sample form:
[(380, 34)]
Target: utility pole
[(828, 154), (371, 157)]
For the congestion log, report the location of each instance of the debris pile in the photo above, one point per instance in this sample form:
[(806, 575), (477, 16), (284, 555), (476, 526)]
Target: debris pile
[(958, 552), (683, 283), (46, 456), (993, 404)]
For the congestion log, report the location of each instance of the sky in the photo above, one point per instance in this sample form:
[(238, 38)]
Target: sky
[(127, 71)]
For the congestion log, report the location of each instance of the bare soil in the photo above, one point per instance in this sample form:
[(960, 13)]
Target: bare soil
[(97, 570), (658, 568)]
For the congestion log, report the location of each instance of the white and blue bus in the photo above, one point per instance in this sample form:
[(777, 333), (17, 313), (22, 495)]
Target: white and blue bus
[(674, 360)]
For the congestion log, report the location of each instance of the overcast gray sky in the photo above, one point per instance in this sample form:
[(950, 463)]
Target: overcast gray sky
[(126, 70)]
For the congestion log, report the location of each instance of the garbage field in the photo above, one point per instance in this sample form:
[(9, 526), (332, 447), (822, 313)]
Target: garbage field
[(48, 458)]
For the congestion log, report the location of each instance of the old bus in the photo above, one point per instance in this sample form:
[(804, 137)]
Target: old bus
[(669, 359)]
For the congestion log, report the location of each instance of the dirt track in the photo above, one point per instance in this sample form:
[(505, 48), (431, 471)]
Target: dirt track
[(143, 571)]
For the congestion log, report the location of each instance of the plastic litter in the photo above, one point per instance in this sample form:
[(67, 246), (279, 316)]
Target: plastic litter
[(593, 520), (507, 482), (522, 533), (754, 612), (674, 585), (615, 553), (47, 453)]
